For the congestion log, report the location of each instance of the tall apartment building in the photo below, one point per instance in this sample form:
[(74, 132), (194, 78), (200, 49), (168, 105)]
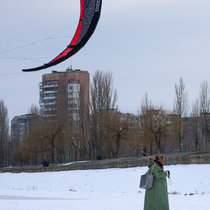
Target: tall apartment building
[(61, 93)]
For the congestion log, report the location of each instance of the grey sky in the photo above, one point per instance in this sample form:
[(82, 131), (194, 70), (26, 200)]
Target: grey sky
[(148, 45)]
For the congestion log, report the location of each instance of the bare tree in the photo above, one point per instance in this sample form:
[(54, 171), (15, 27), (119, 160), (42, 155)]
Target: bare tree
[(34, 117), (117, 128), (34, 110), (103, 94), (147, 137), (205, 113), (84, 131), (4, 133), (103, 99), (181, 99), (180, 108), (154, 124), (196, 124)]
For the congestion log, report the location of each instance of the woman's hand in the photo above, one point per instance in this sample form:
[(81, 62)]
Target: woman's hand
[(168, 174)]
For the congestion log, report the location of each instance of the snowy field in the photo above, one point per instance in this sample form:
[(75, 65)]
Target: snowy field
[(106, 189)]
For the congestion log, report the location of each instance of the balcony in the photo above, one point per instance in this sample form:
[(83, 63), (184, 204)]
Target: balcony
[(50, 91), (49, 85), (48, 97)]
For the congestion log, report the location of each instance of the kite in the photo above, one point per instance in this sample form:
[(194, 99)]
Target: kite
[(89, 16)]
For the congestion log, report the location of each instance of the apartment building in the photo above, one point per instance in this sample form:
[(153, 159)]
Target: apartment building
[(63, 92), (20, 127)]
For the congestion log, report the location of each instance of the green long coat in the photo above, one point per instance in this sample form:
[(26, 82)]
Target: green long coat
[(156, 198)]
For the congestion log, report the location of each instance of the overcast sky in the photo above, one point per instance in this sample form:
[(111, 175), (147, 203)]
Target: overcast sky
[(147, 45)]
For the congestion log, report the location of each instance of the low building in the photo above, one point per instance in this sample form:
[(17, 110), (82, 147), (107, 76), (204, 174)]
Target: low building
[(20, 127)]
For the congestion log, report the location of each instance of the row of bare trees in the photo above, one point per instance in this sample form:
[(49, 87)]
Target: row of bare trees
[(182, 129), (61, 139), (201, 113), (102, 131)]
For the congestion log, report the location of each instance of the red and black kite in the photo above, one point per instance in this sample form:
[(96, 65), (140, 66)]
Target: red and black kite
[(89, 17)]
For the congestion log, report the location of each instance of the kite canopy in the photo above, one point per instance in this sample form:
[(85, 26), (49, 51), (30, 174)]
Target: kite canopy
[(89, 17)]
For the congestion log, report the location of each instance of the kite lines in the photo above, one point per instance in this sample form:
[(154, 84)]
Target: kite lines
[(90, 11)]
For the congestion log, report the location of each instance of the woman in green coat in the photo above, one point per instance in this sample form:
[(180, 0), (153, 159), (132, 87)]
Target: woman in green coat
[(156, 197)]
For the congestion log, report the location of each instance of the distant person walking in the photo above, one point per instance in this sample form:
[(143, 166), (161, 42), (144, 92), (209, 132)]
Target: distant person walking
[(45, 163), (156, 197)]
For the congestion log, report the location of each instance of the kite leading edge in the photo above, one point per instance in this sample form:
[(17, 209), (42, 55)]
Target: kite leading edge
[(89, 17)]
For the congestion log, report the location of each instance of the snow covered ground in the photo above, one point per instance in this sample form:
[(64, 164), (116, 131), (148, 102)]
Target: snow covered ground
[(106, 189)]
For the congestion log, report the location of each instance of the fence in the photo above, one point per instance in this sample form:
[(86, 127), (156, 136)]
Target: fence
[(170, 159)]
